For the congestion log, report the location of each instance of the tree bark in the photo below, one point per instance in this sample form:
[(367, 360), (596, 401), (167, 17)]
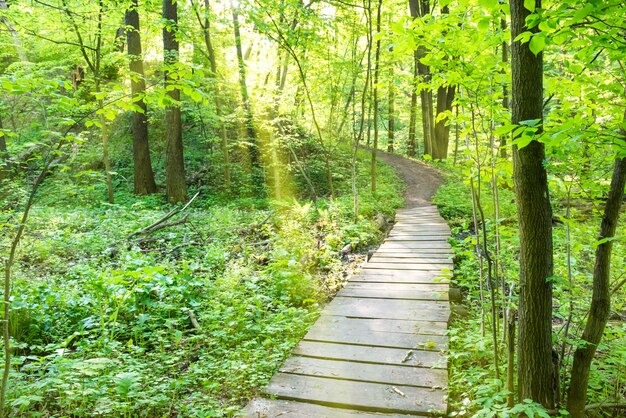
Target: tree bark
[(391, 131), (143, 174), (376, 100), (445, 97), (420, 8), (536, 370), (218, 96), (411, 148), (601, 297), (505, 87), (245, 98), (176, 188)]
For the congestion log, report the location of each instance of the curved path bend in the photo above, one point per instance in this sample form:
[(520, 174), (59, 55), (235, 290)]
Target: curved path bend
[(378, 349)]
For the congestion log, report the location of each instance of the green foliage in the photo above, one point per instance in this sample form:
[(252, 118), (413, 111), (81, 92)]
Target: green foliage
[(102, 324)]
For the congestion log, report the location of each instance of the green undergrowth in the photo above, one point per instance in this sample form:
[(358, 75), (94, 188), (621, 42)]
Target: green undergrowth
[(189, 321), (474, 389)]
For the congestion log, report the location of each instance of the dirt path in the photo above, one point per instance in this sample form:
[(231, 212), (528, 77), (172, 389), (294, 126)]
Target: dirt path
[(421, 181)]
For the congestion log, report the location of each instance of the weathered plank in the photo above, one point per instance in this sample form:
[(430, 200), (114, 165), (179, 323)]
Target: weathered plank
[(366, 372), (275, 408), (430, 238), (384, 258), (387, 325), (342, 333), (357, 395), (389, 308), (394, 294), (410, 287), (416, 244), (396, 278), (378, 355), (408, 266)]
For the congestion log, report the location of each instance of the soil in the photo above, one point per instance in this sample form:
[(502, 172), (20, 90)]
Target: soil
[(421, 180)]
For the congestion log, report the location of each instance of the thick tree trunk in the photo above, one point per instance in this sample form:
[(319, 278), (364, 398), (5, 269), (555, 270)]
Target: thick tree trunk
[(176, 188), (445, 97), (250, 130), (536, 374), (601, 296), (419, 8), (143, 174), (391, 131)]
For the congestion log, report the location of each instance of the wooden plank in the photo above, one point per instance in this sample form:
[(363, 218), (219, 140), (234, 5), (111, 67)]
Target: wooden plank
[(389, 279), (416, 244), (275, 408), (388, 258), (378, 355), (424, 276), (366, 372), (410, 287), (430, 238), (416, 255), (389, 308), (345, 332), (358, 395), (416, 251), (394, 294), (408, 266), (427, 232), (387, 325)]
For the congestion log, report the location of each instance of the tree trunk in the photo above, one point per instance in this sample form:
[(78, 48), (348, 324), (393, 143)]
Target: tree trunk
[(391, 131), (4, 169), (411, 149), (245, 98), (376, 74), (445, 97), (601, 296), (143, 174), (536, 374), (421, 8), (176, 188), (218, 97), (505, 88)]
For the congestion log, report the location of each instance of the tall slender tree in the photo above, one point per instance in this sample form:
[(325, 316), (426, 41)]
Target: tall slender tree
[(601, 294), (376, 99), (176, 188), (143, 174), (536, 370), (205, 24), (245, 97), (420, 8)]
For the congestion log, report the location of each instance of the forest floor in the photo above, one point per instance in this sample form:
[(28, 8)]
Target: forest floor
[(421, 180)]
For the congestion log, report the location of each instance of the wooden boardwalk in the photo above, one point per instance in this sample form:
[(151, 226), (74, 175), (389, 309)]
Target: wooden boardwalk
[(377, 349)]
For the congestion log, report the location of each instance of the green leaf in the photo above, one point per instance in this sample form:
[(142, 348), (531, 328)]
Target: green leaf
[(483, 24), (488, 4), (537, 43), (530, 5)]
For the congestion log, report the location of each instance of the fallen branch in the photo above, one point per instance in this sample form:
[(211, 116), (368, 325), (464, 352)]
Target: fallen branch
[(160, 224)]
